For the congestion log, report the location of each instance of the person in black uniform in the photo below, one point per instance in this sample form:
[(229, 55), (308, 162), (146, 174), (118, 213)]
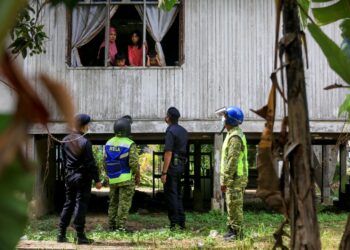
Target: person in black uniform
[(175, 149), (80, 169)]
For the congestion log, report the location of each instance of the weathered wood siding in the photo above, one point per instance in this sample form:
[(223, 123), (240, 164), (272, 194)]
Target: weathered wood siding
[(228, 48)]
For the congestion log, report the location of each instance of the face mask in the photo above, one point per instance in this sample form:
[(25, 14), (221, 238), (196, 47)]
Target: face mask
[(223, 121), (88, 131)]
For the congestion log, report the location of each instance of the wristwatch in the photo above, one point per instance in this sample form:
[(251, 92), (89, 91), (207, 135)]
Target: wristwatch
[(164, 173)]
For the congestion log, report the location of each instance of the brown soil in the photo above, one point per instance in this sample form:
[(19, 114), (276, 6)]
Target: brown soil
[(108, 245)]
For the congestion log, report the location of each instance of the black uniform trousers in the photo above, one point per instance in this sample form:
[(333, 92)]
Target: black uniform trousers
[(78, 190), (173, 196)]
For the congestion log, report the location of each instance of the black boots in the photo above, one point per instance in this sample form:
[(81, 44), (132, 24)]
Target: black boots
[(79, 239), (61, 237), (182, 226), (82, 239), (231, 234), (112, 228)]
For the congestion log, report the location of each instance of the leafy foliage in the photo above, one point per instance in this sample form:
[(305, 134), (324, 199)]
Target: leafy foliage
[(97, 150), (8, 14), (14, 196), (146, 166), (166, 4), (27, 35)]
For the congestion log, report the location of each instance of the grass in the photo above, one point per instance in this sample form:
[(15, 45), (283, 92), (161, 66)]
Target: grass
[(152, 232)]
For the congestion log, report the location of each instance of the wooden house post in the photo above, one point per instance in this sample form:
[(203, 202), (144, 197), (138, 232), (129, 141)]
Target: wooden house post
[(216, 201)]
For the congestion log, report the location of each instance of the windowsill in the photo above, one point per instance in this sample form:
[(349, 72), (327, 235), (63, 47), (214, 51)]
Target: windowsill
[(124, 68)]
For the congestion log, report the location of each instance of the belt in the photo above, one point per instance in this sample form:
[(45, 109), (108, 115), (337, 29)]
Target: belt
[(176, 159)]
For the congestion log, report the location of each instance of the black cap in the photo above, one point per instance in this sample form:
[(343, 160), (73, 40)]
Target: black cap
[(82, 119), (173, 112)]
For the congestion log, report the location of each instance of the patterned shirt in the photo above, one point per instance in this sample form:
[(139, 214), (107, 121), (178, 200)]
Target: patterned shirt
[(234, 149)]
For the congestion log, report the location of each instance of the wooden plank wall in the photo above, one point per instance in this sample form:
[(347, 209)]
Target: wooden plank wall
[(228, 49)]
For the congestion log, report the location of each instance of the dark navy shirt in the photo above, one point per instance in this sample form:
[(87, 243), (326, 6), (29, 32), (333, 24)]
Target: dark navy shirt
[(176, 138), (77, 156)]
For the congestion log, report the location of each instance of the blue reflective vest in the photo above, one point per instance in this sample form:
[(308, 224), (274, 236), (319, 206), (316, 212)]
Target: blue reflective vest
[(117, 152)]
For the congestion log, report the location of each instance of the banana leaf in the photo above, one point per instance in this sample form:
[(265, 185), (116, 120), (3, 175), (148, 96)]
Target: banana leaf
[(331, 13), (337, 59), (304, 6)]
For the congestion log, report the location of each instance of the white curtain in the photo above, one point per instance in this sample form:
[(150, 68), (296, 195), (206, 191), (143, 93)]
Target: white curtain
[(87, 22), (158, 23)]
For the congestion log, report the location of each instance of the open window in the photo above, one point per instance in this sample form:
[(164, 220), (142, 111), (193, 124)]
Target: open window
[(145, 34)]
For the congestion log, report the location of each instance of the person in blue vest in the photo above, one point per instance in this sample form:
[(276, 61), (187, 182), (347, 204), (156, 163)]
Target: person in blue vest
[(80, 169), (175, 158), (121, 162), (234, 170)]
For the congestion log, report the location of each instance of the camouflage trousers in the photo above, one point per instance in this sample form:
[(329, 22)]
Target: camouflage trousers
[(120, 199), (234, 203)]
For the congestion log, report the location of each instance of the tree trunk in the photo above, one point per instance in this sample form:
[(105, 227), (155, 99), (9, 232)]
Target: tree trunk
[(345, 241), (304, 226)]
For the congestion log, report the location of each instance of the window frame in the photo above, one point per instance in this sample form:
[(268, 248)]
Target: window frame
[(108, 3)]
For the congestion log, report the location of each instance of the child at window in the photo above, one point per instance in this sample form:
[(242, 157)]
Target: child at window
[(153, 59), (120, 59), (135, 50), (112, 48)]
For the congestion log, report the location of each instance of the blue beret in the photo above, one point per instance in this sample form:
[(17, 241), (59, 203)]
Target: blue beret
[(173, 112), (82, 119)]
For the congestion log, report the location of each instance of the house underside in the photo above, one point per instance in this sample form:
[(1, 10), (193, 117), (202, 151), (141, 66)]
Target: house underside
[(201, 180)]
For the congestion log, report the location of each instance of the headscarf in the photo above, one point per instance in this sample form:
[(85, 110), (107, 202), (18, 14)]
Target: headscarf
[(112, 47)]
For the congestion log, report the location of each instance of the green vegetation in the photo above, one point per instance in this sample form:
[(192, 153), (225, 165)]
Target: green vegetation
[(146, 163), (97, 150), (151, 231)]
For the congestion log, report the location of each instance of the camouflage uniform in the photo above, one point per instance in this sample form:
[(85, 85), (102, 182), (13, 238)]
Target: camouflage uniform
[(121, 195), (234, 153)]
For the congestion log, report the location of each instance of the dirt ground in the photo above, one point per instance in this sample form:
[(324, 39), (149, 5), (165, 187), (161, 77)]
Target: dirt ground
[(108, 245)]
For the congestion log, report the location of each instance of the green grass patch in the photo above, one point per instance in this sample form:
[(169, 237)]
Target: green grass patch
[(151, 230)]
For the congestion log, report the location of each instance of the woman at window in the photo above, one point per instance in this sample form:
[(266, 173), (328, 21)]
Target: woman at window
[(135, 51), (112, 51)]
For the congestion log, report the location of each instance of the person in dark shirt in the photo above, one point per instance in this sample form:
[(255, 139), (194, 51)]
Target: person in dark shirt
[(80, 169), (175, 150)]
